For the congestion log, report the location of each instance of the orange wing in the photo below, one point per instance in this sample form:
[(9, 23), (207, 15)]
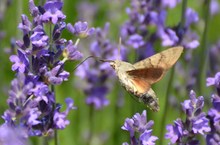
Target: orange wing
[(141, 85), (148, 75), (152, 69)]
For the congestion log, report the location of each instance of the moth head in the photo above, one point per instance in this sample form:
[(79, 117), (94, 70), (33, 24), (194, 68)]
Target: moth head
[(113, 64)]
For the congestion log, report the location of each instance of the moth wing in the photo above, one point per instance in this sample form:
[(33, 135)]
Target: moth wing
[(165, 59), (141, 85), (149, 75)]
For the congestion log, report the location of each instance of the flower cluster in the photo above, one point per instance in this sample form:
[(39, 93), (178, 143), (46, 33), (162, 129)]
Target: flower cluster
[(138, 124), (184, 132), (12, 136), (147, 24), (96, 74), (39, 64), (214, 113)]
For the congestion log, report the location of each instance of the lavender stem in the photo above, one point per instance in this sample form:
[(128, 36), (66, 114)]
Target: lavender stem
[(204, 48)]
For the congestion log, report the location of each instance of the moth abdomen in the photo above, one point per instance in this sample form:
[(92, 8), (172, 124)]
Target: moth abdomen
[(150, 100)]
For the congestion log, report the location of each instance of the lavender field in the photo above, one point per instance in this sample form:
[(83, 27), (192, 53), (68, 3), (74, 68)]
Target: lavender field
[(62, 75)]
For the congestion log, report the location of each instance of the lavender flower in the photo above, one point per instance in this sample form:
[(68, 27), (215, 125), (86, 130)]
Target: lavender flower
[(71, 52), (96, 96), (25, 25), (53, 12), (21, 62), (59, 118), (57, 75), (170, 3), (39, 39), (80, 29), (213, 137), (135, 40), (184, 132), (96, 74), (168, 37), (138, 123), (214, 7), (39, 64), (175, 131), (214, 81), (11, 135), (146, 25)]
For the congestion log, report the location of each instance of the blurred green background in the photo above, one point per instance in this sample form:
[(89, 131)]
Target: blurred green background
[(105, 124)]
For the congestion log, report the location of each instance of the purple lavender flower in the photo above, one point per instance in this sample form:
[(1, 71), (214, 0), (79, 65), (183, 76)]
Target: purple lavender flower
[(175, 132), (33, 9), (168, 37), (39, 39), (146, 138), (39, 67), (53, 12), (192, 17), (147, 21), (95, 74), (138, 123), (190, 40), (34, 114), (213, 137), (196, 122), (214, 80), (25, 25), (135, 41), (57, 75), (96, 96), (40, 92), (170, 3), (214, 7), (71, 52), (21, 62), (80, 29), (59, 118), (11, 135)]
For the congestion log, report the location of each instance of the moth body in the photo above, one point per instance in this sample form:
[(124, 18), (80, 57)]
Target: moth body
[(151, 100), (148, 98), (137, 78), (121, 69)]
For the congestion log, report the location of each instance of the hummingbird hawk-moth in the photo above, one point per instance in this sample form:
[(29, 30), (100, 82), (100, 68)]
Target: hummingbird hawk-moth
[(137, 78)]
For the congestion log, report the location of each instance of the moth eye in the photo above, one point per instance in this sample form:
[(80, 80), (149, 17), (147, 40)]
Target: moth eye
[(112, 65)]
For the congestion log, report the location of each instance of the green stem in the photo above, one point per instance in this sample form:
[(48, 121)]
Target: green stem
[(204, 49), (51, 38), (164, 114), (55, 137), (54, 107), (45, 141), (41, 2), (91, 125), (184, 5)]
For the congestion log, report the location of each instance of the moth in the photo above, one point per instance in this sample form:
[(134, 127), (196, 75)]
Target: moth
[(137, 78)]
